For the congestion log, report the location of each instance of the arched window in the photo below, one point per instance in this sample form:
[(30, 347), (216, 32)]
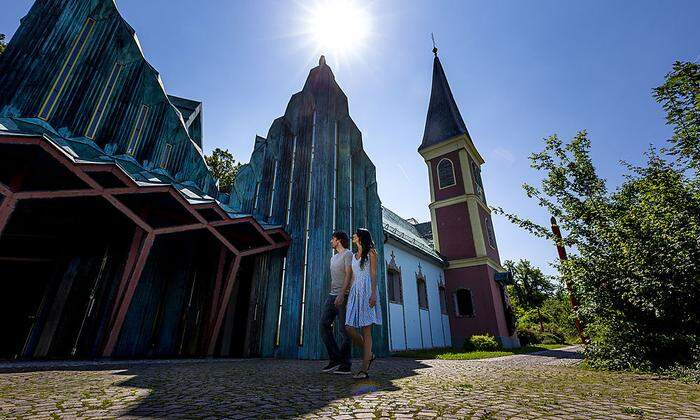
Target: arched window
[(464, 305), (393, 281), (446, 173), (489, 232), (394, 286), (443, 300), (478, 183), (422, 293)]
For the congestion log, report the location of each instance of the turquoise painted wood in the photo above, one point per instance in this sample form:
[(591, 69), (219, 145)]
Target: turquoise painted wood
[(42, 47), (312, 176)]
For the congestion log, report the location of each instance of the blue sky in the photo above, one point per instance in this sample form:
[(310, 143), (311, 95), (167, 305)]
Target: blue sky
[(519, 71)]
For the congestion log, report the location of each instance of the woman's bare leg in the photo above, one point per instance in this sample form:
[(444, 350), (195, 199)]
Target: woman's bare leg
[(354, 335), (367, 349)]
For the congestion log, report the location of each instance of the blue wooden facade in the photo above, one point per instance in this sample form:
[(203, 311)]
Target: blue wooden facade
[(114, 240), (311, 176)]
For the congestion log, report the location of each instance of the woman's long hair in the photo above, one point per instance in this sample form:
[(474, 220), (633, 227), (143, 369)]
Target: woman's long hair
[(367, 244)]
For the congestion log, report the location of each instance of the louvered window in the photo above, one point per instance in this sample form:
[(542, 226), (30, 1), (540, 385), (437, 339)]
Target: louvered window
[(446, 173)]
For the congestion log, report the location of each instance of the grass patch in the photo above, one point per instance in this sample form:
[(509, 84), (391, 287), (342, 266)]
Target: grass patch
[(449, 354)]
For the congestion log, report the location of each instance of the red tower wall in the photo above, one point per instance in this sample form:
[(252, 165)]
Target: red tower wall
[(488, 307), (455, 231), (455, 190)]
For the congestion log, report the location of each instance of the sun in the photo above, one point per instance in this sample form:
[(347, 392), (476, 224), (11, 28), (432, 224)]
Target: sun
[(339, 26)]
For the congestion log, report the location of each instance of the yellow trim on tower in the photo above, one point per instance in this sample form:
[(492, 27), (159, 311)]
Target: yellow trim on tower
[(471, 262), (466, 173), (433, 227), (450, 145), (477, 230)]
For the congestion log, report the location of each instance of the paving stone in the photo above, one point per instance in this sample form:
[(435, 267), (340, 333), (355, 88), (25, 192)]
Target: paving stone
[(547, 385)]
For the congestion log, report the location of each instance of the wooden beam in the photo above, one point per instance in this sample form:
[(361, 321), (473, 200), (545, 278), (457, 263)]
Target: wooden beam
[(221, 309), (144, 252), (136, 242), (216, 291), (181, 228), (84, 192), (6, 208)]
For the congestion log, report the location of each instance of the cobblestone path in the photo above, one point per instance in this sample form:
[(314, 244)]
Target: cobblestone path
[(547, 384)]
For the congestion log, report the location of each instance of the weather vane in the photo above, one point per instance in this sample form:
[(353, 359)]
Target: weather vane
[(435, 50)]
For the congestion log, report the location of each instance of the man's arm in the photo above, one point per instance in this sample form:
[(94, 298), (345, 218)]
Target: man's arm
[(346, 283)]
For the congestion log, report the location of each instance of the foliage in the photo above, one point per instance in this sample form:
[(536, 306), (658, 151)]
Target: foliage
[(2, 43), (448, 354), (530, 288), (680, 98), (528, 336), (481, 343), (636, 261), (224, 168)]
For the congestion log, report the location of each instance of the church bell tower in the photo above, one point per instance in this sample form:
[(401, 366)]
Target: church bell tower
[(461, 221)]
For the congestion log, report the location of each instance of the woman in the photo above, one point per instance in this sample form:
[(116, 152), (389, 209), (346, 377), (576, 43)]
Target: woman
[(363, 310)]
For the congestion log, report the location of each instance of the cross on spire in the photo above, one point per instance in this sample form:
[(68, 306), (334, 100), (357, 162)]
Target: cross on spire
[(435, 50)]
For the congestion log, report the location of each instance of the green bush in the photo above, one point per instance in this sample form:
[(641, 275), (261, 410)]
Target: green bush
[(551, 338), (528, 337), (483, 343)]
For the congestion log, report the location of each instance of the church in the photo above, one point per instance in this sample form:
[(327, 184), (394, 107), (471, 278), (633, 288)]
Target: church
[(116, 242)]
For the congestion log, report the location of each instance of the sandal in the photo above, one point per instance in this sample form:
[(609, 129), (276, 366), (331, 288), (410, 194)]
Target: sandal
[(369, 365), (360, 375)]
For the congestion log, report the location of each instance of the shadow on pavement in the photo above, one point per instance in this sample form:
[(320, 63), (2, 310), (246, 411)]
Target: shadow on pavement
[(226, 388)]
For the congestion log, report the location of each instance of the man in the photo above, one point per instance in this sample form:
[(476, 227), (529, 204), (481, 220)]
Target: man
[(341, 274)]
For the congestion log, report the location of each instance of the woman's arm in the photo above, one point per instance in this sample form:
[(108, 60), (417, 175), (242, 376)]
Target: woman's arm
[(373, 276)]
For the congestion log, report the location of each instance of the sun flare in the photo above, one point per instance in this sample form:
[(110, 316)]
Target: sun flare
[(339, 26)]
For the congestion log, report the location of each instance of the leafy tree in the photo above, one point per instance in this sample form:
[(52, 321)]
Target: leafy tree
[(680, 97), (224, 168), (635, 265), (2, 43), (530, 289)]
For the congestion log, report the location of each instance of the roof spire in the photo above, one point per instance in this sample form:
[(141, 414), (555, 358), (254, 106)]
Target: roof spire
[(443, 120), (322, 60), (435, 50)]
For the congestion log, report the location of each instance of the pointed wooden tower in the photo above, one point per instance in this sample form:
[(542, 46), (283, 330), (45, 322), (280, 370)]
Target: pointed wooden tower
[(312, 176), (461, 221)]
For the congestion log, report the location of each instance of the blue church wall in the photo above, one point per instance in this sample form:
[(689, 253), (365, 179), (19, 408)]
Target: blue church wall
[(411, 326)]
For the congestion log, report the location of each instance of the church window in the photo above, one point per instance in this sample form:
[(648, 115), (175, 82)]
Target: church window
[(136, 133), (422, 293), (335, 173), (446, 173), (291, 182), (103, 101), (165, 158), (394, 286), (464, 305), (479, 185), (272, 195), (279, 309), (66, 69), (307, 232), (257, 196), (489, 231), (443, 300)]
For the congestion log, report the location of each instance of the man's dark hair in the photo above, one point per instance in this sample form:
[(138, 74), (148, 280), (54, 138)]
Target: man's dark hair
[(342, 237)]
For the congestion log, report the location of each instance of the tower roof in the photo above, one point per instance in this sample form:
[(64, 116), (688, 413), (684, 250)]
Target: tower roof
[(444, 120)]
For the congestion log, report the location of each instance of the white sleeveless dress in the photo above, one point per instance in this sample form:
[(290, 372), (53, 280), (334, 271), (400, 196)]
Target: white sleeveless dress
[(358, 313)]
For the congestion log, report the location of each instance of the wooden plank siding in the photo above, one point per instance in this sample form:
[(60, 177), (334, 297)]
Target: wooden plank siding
[(310, 118), (39, 49)]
